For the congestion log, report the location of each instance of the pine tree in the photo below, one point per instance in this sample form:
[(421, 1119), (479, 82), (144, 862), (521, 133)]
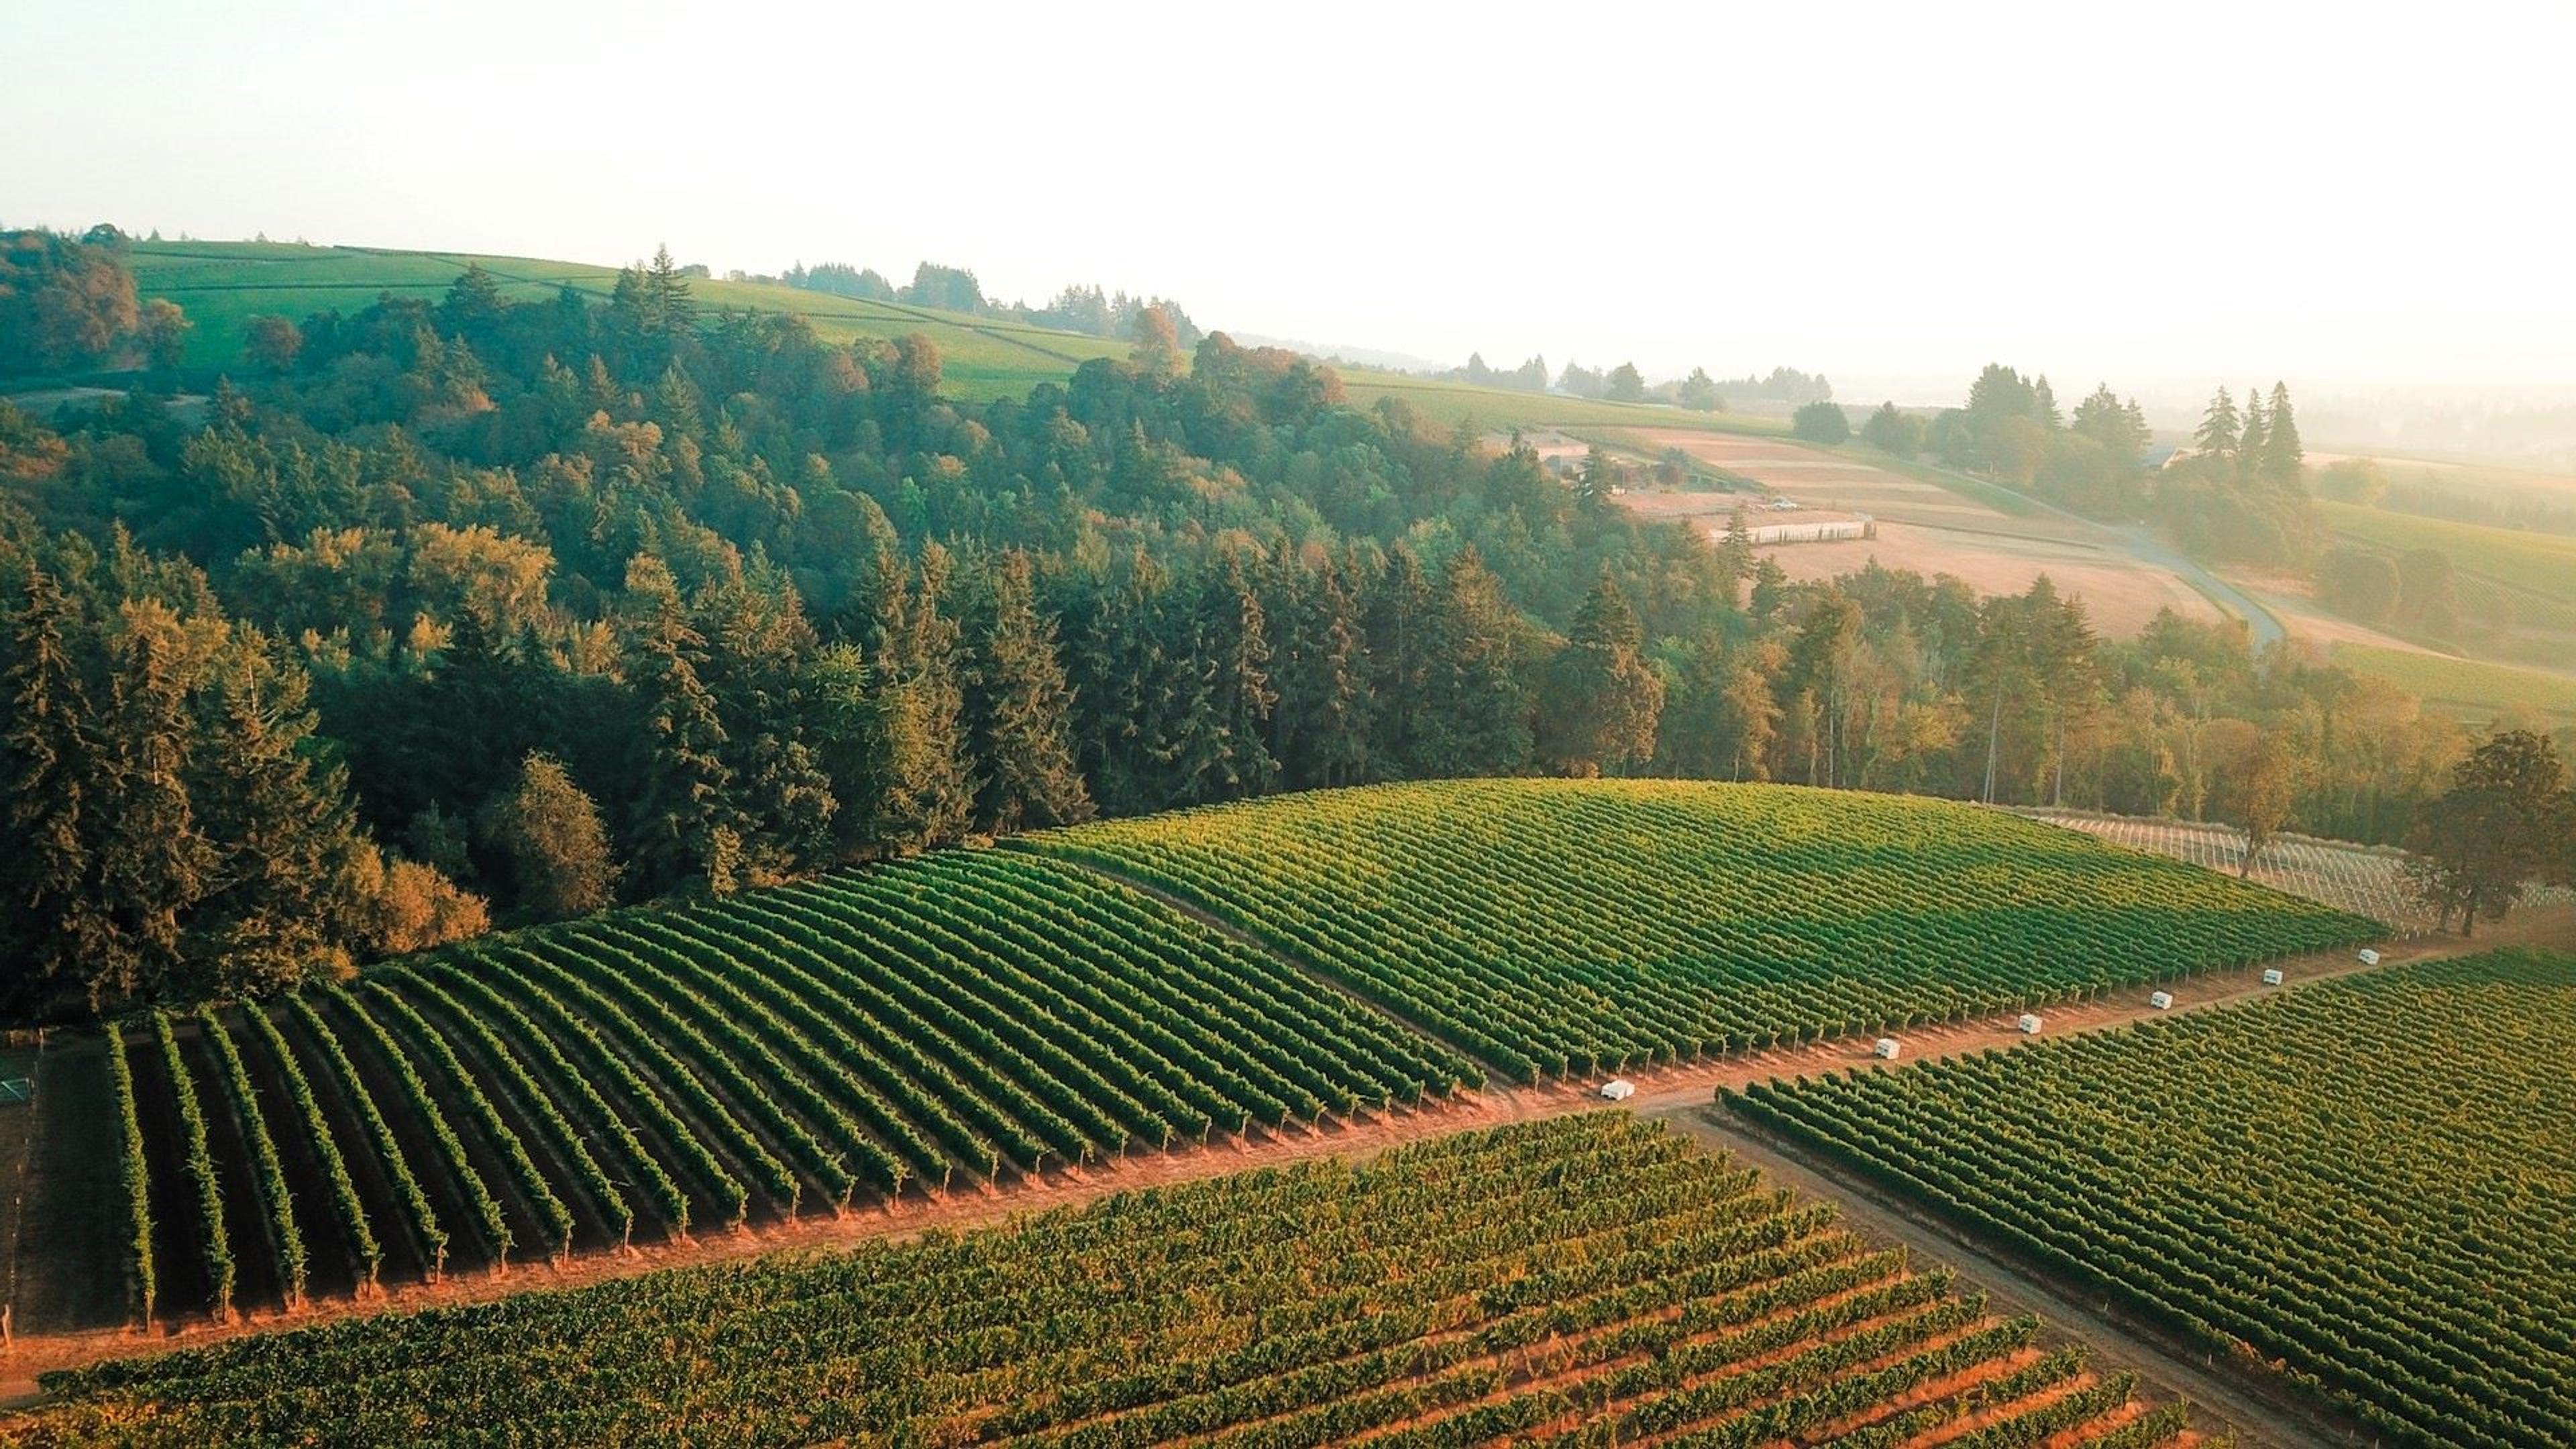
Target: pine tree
[(2283, 456), (1402, 629), (2043, 403), (1603, 699), (1475, 720), (292, 869), (153, 861), (1021, 708), (55, 922), (2253, 439), (1320, 731), (2219, 426), (684, 831)]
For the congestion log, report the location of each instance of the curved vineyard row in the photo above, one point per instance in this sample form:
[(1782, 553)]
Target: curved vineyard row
[(1467, 1290), (2367, 1183), (1556, 927), (970, 1017)]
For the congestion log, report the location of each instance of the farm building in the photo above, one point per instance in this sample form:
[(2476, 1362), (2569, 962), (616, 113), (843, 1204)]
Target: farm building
[(1808, 529)]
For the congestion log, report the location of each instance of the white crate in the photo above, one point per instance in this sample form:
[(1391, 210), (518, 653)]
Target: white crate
[(2161, 1001), (2369, 957), (1886, 1047), (2029, 1024), (1618, 1089), (2273, 977)]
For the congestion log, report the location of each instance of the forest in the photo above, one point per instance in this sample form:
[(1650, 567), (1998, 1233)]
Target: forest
[(431, 616)]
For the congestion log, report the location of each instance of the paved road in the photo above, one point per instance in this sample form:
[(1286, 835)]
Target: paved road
[(2143, 545)]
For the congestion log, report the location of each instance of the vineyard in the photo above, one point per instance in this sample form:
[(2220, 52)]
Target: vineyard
[(2365, 1185), (966, 1018), (1557, 927), (1585, 1279)]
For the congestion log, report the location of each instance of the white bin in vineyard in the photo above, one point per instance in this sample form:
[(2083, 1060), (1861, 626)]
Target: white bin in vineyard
[(2273, 977), (2369, 957), (2162, 1000), (1618, 1089), (1887, 1048), (2029, 1024)]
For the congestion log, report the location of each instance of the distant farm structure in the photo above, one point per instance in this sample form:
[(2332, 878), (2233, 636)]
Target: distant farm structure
[(1810, 528)]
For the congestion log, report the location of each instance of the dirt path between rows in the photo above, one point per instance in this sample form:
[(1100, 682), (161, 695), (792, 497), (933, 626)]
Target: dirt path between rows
[(1679, 1092)]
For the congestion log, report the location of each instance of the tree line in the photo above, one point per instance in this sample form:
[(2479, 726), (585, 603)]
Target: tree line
[(473, 610), (1077, 308)]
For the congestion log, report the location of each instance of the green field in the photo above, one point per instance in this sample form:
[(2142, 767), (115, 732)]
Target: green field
[(1563, 927), (2470, 689), (968, 1018), (1451, 403), (222, 285), (2540, 563), (2370, 1181), (1586, 1278)]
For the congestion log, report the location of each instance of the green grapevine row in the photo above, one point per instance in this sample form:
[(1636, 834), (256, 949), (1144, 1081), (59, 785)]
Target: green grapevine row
[(345, 1203), (1556, 927), (198, 1161), (2368, 1180), (134, 1173), (285, 1240), (1587, 1280)]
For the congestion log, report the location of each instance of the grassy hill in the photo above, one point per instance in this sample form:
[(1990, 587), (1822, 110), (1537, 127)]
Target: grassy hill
[(222, 285)]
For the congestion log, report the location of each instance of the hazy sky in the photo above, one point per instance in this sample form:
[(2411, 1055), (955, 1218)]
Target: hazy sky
[(2144, 192)]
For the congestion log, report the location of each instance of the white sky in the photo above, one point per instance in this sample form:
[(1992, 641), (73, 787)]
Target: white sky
[(2160, 192)]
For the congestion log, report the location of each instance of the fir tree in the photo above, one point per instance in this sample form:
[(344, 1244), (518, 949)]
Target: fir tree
[(2253, 438), (56, 921), (2219, 426), (1021, 708), (684, 831), (1604, 700), (2283, 456)]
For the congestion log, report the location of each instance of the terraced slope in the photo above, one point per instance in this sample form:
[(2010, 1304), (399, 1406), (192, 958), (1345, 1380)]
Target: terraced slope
[(2369, 1183), (1585, 1279), (1556, 927), (971, 1016)]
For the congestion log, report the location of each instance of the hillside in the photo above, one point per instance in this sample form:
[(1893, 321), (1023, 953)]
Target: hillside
[(222, 285), (1556, 926), (974, 1022)]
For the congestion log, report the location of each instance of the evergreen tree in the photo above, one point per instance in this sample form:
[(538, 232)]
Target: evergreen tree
[(1402, 629), (153, 860), (2043, 403), (2253, 438), (291, 875), (2219, 427), (2283, 456), (685, 831), (1475, 718), (1321, 729), (1021, 708), (56, 921), (1603, 699)]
